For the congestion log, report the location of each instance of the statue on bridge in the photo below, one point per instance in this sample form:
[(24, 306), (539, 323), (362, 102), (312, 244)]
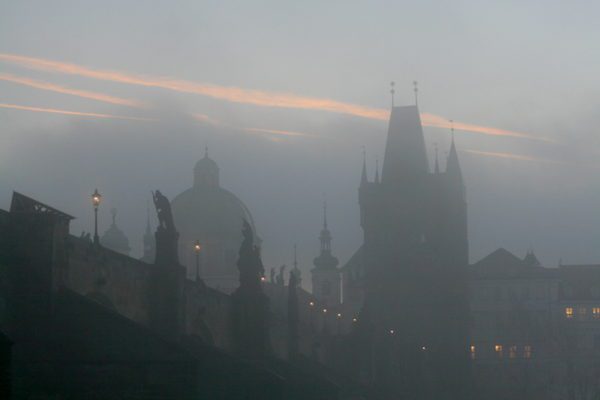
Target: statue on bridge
[(249, 262), (163, 211)]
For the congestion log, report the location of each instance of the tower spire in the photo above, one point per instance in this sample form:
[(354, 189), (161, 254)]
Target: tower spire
[(392, 91), (416, 90), (205, 151), (452, 165)]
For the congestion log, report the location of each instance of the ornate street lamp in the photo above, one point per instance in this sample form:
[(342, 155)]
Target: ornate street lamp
[(197, 249), (96, 199)]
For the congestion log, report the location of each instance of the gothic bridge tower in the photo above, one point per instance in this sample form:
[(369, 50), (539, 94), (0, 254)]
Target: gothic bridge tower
[(414, 321)]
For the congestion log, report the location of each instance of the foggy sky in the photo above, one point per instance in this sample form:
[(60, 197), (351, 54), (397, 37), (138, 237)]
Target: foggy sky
[(526, 68)]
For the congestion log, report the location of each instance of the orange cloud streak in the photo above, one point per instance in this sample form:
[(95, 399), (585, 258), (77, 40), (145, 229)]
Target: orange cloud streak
[(232, 94), (240, 95), (279, 132), (211, 121), (508, 156), (74, 92), (67, 112), (439, 122)]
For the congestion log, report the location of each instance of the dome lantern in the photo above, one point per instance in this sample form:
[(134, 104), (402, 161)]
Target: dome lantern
[(206, 172)]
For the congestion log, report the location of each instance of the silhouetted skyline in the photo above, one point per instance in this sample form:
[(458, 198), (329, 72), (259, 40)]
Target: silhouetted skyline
[(528, 69)]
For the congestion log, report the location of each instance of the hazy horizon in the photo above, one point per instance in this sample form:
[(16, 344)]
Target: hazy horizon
[(285, 96)]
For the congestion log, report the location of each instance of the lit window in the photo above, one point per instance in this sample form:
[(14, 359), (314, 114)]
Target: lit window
[(498, 349), (472, 351), (596, 312), (512, 352), (569, 312), (527, 351)]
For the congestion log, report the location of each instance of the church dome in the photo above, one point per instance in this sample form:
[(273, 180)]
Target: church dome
[(114, 238), (214, 216)]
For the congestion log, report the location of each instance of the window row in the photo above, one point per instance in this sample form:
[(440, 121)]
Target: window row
[(582, 312), (500, 351)]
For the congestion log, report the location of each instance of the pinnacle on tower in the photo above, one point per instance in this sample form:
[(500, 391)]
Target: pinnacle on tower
[(363, 177), (452, 164)]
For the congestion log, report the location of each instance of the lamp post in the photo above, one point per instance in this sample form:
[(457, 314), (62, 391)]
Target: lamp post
[(96, 198), (311, 304), (197, 249)]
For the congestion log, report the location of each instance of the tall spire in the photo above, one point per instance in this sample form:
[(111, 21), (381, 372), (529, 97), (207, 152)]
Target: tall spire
[(377, 170), (325, 259), (363, 177), (452, 165)]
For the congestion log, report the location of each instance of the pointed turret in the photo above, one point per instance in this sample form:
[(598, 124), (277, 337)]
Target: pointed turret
[(363, 176), (456, 230), (405, 158), (452, 165)]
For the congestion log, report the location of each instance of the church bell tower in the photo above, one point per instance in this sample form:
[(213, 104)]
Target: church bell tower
[(326, 278)]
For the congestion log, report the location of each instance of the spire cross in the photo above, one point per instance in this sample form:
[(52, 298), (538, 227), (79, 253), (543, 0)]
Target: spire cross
[(113, 212), (392, 91), (364, 154), (206, 151), (416, 90)]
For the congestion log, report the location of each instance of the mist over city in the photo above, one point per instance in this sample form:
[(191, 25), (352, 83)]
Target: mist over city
[(311, 200)]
